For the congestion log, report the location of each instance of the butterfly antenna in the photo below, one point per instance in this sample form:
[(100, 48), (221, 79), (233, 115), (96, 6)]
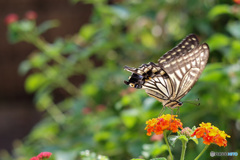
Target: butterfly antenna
[(194, 102)]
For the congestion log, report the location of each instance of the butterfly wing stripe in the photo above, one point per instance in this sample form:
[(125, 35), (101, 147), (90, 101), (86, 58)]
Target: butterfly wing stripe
[(162, 88), (162, 81), (170, 87), (186, 45), (161, 84), (156, 95), (156, 79), (193, 74), (173, 84), (150, 85), (188, 80), (154, 88), (150, 82)]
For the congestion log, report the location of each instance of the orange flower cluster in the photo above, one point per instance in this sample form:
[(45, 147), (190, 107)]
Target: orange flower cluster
[(236, 1), (211, 134), (162, 123)]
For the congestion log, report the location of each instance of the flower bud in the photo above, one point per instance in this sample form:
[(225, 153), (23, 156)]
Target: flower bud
[(31, 15), (11, 18)]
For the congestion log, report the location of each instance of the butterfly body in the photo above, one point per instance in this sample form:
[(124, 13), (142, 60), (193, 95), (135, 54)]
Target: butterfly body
[(174, 75)]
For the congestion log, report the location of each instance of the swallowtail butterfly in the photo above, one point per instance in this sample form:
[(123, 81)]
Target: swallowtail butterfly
[(174, 75)]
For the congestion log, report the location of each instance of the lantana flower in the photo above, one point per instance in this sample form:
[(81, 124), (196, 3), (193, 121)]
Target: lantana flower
[(162, 123), (236, 1), (211, 134), (43, 155), (31, 15), (11, 18)]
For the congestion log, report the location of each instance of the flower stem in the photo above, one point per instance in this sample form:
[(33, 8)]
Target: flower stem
[(169, 150), (204, 149), (184, 146)]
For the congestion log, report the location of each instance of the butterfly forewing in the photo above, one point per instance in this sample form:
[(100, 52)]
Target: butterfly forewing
[(186, 45)]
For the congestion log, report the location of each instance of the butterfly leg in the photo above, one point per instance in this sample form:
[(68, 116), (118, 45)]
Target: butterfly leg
[(162, 110), (178, 111)]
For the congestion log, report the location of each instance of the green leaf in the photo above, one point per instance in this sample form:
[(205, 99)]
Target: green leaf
[(44, 102), (148, 40), (66, 155), (26, 26), (154, 149), (89, 89), (158, 148), (148, 103), (24, 67), (172, 139), (194, 139), (183, 138), (38, 60), (13, 33), (161, 158), (103, 135), (87, 31), (120, 11), (87, 155), (50, 129), (215, 73), (129, 117), (45, 26), (218, 41), (34, 81), (218, 10), (137, 159), (234, 29)]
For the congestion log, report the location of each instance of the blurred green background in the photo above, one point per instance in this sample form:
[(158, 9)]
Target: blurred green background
[(99, 112)]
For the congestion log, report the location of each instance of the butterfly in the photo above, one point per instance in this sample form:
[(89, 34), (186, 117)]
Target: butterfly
[(174, 75)]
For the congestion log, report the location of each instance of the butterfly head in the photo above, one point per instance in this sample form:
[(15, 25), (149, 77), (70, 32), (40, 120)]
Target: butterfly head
[(135, 81)]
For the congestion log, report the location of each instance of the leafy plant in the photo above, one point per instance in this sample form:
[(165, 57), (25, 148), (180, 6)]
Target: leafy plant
[(78, 80)]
